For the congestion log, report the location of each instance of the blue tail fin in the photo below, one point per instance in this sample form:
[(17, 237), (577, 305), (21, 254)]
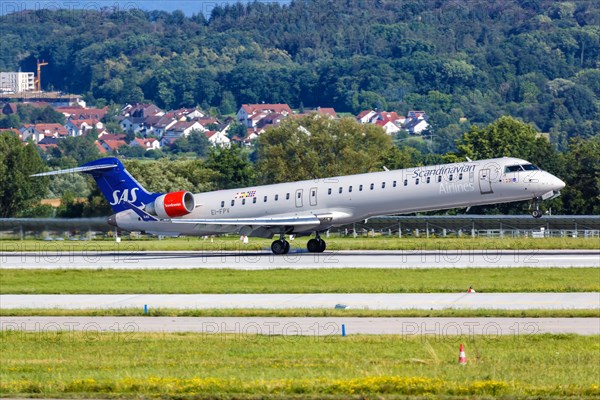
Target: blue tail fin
[(117, 185)]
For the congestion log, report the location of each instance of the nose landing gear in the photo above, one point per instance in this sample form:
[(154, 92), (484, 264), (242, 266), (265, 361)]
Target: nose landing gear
[(537, 213)]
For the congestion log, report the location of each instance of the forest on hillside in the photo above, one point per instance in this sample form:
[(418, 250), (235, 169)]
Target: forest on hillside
[(465, 62)]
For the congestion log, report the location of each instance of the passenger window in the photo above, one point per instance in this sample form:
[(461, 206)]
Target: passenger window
[(417, 181), (222, 204), (265, 199), (313, 193), (394, 184), (360, 188), (372, 186), (299, 194), (329, 191), (349, 189), (232, 203), (439, 178), (276, 197), (450, 178), (340, 189), (460, 176), (254, 200), (428, 179), (243, 201), (287, 196), (383, 185), (406, 182)]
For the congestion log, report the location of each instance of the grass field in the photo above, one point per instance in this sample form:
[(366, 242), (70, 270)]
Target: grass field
[(333, 243), (93, 365), (299, 281)]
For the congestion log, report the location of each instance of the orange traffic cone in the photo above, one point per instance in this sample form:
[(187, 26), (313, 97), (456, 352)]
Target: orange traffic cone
[(462, 358)]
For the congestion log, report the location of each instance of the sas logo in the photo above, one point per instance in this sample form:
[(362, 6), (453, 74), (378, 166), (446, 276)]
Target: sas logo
[(127, 196)]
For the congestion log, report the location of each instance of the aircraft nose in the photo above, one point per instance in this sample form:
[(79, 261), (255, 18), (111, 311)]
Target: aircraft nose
[(557, 183)]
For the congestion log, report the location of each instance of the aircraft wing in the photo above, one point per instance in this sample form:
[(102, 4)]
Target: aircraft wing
[(283, 221)]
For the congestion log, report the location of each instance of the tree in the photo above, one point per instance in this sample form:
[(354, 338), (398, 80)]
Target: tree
[(582, 193), (318, 147), (506, 137), (232, 166), (18, 191)]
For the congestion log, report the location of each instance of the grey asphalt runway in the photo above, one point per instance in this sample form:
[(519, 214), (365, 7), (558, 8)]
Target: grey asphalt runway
[(94, 259), (405, 327), (378, 301)]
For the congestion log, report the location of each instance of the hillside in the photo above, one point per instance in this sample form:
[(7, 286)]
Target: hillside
[(537, 60)]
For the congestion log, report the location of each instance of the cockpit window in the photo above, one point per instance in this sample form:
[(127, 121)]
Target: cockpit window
[(523, 167), (513, 168)]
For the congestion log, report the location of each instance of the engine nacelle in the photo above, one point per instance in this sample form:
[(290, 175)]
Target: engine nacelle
[(174, 204)]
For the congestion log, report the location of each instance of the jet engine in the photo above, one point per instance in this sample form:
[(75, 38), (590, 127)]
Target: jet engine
[(174, 204)]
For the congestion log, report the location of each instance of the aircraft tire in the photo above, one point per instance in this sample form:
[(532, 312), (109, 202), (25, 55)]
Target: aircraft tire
[(537, 214), (279, 247), (316, 245)]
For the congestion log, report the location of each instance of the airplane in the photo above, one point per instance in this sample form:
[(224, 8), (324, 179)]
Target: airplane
[(314, 206)]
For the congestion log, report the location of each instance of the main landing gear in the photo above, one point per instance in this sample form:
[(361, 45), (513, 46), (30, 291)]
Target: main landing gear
[(280, 246), (316, 245)]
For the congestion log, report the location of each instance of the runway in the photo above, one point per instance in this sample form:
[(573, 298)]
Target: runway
[(378, 301), (129, 327), (263, 260)]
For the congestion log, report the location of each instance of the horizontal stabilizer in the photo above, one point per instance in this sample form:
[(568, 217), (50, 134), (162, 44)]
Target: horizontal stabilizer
[(87, 168)]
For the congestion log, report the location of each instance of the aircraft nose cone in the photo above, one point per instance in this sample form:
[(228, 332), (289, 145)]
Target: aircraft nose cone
[(558, 183)]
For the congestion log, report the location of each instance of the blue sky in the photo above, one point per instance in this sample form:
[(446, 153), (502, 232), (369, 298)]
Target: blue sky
[(189, 7)]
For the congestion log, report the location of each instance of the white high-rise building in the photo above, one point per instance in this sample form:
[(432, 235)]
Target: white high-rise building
[(16, 82)]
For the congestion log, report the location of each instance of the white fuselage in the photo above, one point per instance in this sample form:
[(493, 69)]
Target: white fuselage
[(346, 199)]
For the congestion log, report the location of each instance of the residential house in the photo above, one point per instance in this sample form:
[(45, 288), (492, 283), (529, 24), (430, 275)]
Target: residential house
[(148, 144), (78, 127), (217, 138), (248, 112), (83, 113), (416, 126), (112, 145), (389, 126), (157, 125), (38, 132), (141, 110), (180, 129), (188, 113), (367, 117)]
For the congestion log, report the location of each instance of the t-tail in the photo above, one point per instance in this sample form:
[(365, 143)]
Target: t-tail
[(120, 188)]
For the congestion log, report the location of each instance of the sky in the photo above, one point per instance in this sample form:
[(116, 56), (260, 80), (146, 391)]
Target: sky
[(189, 7)]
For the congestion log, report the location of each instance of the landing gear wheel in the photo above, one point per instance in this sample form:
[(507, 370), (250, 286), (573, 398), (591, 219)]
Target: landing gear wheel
[(537, 214), (280, 247), (316, 245)]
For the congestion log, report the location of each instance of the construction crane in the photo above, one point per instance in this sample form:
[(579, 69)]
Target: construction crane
[(38, 79)]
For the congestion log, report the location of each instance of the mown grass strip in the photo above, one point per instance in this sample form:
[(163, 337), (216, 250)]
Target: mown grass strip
[(229, 243), (299, 281), (253, 312), (73, 364)]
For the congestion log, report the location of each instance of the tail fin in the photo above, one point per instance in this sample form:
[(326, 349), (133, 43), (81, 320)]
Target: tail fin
[(117, 185)]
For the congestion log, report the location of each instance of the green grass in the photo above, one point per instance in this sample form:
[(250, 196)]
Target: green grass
[(137, 365), (306, 312), (21, 281), (334, 243)]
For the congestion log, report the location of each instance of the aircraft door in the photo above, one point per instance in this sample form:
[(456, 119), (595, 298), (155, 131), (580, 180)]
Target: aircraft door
[(299, 197), (313, 196), (485, 182)]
